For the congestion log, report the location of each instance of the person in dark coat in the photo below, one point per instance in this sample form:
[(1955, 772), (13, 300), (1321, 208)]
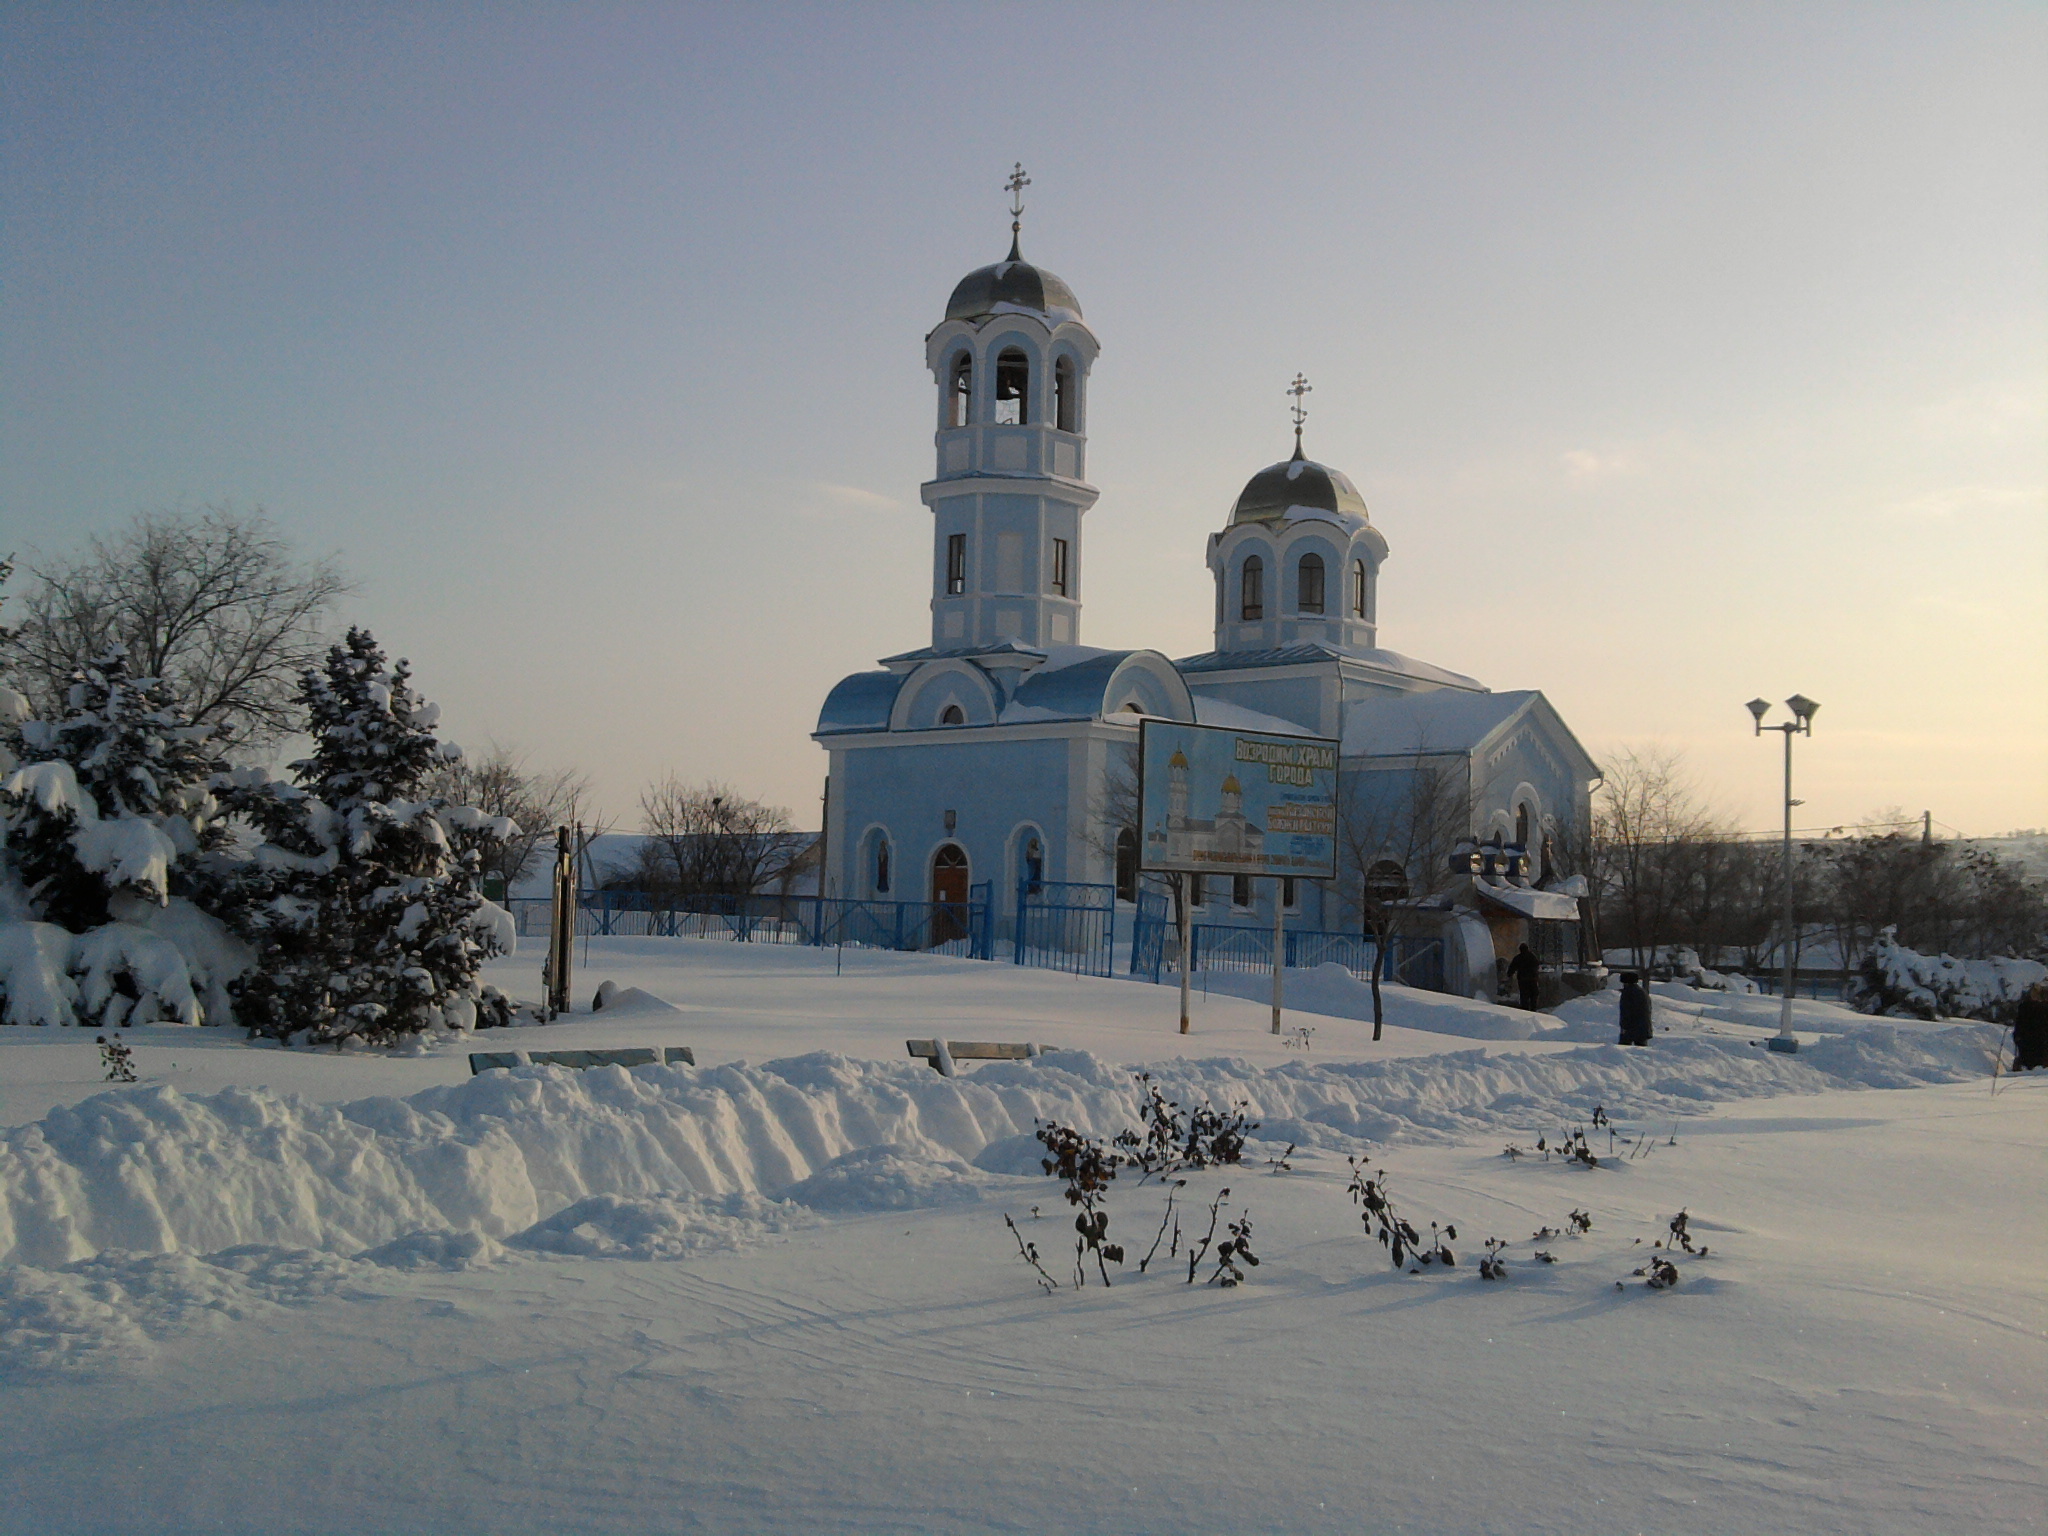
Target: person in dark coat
[(1525, 969), (2030, 1029), (1635, 1010)]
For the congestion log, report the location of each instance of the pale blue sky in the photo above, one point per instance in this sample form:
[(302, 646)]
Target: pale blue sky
[(1683, 352)]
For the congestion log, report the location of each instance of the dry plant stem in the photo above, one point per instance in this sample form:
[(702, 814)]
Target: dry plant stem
[(1158, 1236), (1196, 1255), (1030, 1254)]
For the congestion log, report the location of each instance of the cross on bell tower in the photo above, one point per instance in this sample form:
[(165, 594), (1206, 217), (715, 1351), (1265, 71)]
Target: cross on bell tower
[(1015, 187), (1298, 411)]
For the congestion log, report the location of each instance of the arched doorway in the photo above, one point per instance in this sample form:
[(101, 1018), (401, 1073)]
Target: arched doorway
[(949, 894)]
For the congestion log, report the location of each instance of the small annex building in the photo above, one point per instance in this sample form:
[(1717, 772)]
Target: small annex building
[(1003, 751)]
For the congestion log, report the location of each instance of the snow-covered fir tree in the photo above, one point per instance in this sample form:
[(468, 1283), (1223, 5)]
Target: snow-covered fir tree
[(363, 903), (104, 820)]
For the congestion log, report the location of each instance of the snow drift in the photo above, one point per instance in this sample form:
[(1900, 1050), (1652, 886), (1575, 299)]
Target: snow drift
[(156, 1171)]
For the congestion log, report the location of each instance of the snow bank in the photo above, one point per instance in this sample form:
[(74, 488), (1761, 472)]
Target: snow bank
[(893, 1178), (1332, 990), (664, 1226), (153, 1170), (108, 1311)]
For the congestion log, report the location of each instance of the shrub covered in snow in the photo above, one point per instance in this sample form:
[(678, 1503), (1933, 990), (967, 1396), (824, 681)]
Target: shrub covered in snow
[(106, 824), (1901, 983), (363, 902)]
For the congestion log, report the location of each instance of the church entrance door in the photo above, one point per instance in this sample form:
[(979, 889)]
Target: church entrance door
[(949, 894)]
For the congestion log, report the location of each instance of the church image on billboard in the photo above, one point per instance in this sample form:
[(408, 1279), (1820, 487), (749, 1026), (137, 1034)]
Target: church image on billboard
[(1226, 802)]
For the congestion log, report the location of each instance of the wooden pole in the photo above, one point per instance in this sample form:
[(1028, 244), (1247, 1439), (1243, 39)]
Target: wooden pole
[(562, 935)]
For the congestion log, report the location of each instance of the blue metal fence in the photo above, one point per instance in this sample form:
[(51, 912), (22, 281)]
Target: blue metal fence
[(1063, 925), (1151, 933), (1155, 948), (962, 928)]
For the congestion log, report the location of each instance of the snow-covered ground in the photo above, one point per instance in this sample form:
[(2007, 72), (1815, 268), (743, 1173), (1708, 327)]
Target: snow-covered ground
[(277, 1291)]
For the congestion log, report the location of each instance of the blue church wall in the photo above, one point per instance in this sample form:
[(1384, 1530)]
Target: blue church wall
[(1525, 771), (991, 786)]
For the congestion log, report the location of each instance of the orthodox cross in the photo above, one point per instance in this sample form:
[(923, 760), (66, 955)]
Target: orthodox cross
[(1015, 186), (1298, 388)]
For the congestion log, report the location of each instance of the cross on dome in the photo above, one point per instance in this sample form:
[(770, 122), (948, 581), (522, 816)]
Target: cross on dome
[(1298, 388), (1015, 187)]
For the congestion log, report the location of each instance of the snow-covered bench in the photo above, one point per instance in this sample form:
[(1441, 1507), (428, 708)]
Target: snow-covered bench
[(627, 1056), (943, 1053)]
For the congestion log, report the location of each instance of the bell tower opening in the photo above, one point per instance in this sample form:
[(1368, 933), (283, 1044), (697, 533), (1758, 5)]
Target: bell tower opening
[(960, 391), (1013, 388)]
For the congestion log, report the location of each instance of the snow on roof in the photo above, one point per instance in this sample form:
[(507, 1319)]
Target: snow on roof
[(1315, 650), (1070, 686), (859, 703), (1236, 717), (1437, 720), (1551, 905)]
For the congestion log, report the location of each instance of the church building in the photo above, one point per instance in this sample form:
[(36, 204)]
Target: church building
[(1003, 751)]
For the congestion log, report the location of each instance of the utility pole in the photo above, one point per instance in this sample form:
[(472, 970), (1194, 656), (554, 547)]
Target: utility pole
[(1803, 710)]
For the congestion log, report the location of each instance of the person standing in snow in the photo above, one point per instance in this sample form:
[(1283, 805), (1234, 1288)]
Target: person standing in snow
[(2030, 1029), (1525, 970), (1635, 1010)]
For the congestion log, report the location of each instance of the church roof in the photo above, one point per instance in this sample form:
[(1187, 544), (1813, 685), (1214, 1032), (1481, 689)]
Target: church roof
[(1445, 720), (1315, 650), (1011, 285), (1298, 487), (1001, 648), (860, 703)]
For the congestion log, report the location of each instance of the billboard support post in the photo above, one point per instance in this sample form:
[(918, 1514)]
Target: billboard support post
[(1184, 966), (1279, 944)]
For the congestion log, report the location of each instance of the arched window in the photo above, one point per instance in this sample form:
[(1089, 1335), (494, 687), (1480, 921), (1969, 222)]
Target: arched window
[(1013, 388), (1522, 826), (1252, 589), (952, 714), (1033, 870), (1127, 864), (1358, 588), (1241, 891), (960, 391), (1063, 394), (881, 865), (1309, 583)]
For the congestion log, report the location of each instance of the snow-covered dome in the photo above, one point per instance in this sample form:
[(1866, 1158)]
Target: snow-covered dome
[(1009, 285), (1299, 486)]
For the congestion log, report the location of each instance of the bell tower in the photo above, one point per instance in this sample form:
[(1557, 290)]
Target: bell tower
[(1011, 362)]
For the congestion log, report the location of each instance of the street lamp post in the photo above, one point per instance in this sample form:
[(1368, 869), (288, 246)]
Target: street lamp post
[(1803, 710)]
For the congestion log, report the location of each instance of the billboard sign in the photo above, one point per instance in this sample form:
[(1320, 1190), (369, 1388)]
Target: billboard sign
[(1214, 801)]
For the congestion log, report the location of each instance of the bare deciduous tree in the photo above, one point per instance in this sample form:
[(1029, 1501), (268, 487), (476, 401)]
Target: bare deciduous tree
[(708, 840), (1648, 825), (1397, 824), (214, 602), (500, 782)]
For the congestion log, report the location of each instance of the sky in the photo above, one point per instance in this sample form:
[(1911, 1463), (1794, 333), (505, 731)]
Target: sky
[(1683, 353)]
